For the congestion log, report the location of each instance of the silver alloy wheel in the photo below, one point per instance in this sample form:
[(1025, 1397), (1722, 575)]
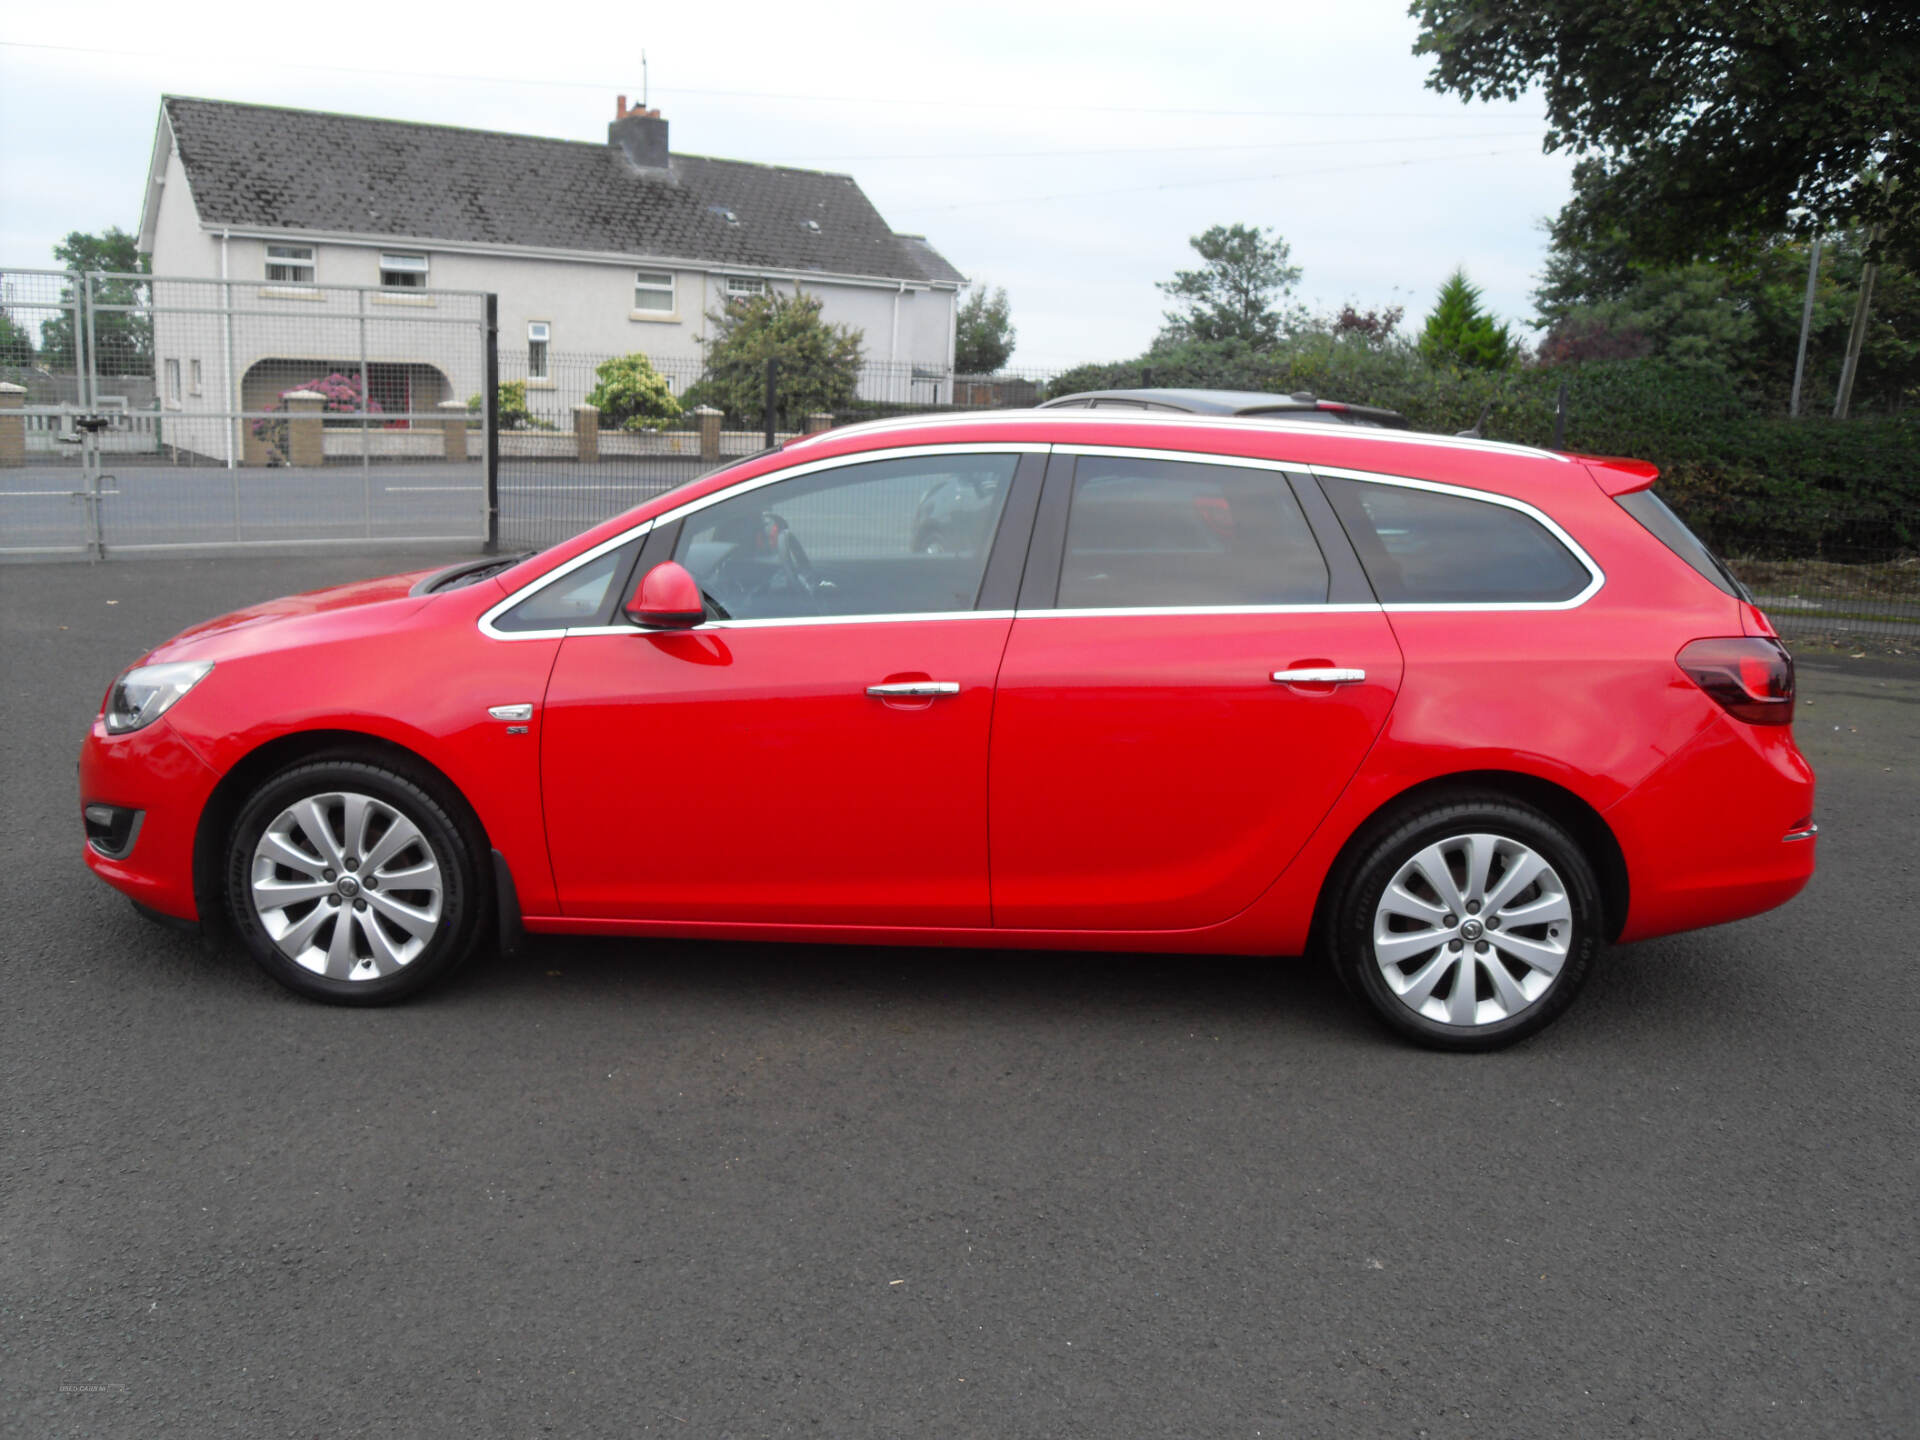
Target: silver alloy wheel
[(1472, 930), (346, 886)]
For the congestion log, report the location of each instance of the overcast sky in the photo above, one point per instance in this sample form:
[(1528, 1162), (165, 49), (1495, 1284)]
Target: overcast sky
[(1066, 152)]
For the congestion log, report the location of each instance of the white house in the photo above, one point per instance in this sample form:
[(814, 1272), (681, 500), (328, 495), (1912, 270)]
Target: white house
[(592, 249)]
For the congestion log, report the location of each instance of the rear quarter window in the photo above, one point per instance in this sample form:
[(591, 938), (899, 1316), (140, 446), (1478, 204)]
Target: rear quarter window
[(1426, 547), (1670, 530)]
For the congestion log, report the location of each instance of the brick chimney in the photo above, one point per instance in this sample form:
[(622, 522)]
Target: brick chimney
[(641, 136)]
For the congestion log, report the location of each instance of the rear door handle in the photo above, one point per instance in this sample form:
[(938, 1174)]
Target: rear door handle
[(1327, 676), (914, 687)]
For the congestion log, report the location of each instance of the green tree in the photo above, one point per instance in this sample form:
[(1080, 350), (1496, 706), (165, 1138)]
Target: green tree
[(983, 334), (16, 344), (819, 362), (631, 394), (1702, 122), (1461, 334), (122, 339), (1238, 293)]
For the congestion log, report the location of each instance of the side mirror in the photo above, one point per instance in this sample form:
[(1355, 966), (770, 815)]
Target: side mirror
[(667, 598)]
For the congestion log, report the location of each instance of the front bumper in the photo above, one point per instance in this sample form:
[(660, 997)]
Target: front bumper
[(155, 773)]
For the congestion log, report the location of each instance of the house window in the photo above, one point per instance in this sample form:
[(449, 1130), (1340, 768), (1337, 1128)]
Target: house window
[(403, 272), (194, 373), (746, 285), (538, 333), (653, 291), (173, 381), (290, 264)]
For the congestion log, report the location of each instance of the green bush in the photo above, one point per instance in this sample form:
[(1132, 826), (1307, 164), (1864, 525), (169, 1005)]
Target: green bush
[(512, 405), (632, 395)]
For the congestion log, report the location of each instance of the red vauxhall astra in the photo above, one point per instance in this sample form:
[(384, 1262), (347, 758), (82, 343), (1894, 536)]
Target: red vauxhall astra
[(1456, 714)]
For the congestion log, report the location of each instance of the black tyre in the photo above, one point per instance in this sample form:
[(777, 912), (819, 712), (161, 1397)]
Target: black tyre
[(1470, 924), (353, 883)]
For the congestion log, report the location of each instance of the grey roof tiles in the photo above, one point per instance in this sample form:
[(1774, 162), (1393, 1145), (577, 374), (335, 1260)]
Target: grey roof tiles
[(272, 168)]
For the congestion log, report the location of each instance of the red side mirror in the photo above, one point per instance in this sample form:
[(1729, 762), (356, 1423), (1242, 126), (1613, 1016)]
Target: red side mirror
[(667, 598)]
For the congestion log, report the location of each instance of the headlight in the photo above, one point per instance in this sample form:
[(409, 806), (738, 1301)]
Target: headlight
[(142, 696)]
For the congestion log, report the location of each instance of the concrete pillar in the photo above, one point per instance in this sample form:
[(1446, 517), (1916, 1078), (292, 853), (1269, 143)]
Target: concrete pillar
[(304, 445), (13, 425), (453, 419), (586, 433), (709, 433), (819, 421)]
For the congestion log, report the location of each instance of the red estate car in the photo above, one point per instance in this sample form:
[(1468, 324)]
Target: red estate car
[(1457, 713)]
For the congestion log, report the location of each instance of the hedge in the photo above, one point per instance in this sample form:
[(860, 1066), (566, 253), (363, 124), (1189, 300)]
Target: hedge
[(1752, 484)]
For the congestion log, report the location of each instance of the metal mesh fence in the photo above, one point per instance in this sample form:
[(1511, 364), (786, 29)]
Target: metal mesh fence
[(160, 412), (1813, 598), (143, 412)]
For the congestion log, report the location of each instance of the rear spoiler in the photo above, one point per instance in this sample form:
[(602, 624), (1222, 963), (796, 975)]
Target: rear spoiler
[(1617, 475)]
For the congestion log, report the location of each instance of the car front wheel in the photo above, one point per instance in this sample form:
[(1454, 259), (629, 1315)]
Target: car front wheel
[(1470, 925), (351, 883)]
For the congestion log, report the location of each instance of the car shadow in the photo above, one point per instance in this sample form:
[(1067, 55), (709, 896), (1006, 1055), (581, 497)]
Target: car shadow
[(1293, 992)]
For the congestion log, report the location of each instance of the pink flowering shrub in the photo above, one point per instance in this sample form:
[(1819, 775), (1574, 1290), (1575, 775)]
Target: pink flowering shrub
[(342, 395)]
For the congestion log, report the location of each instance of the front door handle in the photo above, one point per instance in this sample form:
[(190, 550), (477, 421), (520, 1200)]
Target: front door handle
[(910, 688), (1329, 675)]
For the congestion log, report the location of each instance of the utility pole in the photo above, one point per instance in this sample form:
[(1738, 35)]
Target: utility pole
[(1806, 324), (1857, 336)]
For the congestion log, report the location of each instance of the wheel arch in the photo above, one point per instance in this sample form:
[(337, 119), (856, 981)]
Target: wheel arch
[(229, 796), (1587, 826)]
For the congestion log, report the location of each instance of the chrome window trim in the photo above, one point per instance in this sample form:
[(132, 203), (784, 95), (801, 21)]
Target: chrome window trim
[(1027, 447), (1117, 611), (793, 622), (559, 572), (743, 487), (1596, 577)]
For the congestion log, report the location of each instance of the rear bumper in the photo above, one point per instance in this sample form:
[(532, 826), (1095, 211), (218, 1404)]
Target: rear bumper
[(154, 772), (1723, 830)]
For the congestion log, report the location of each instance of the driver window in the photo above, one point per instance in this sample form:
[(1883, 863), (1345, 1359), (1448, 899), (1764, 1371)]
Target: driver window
[(890, 537)]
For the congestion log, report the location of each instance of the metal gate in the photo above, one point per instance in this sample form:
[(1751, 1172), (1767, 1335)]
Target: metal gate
[(154, 413)]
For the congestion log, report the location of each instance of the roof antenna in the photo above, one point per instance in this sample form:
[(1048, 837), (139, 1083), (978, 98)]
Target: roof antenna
[(643, 80), (1479, 426)]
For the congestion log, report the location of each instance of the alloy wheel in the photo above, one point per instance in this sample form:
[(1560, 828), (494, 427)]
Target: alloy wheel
[(346, 886), (1472, 930)]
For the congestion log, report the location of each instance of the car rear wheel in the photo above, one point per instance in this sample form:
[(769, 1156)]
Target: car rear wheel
[(351, 883), (1470, 925)]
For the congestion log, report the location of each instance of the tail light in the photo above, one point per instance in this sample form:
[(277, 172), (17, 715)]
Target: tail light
[(1750, 676)]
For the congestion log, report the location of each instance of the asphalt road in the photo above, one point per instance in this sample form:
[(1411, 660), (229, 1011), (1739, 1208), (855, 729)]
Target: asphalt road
[(728, 1191), (541, 501)]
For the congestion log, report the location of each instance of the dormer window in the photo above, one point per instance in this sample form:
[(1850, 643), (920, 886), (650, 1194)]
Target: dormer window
[(403, 272), (290, 264)]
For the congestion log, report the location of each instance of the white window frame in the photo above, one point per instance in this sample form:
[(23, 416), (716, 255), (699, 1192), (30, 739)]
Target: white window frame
[(292, 259), (173, 382), (655, 282), (402, 262), (744, 285), (539, 350), (193, 380)]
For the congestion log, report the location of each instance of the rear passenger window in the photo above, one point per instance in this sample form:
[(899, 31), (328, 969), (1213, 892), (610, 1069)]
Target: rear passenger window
[(1422, 547), (1167, 533)]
